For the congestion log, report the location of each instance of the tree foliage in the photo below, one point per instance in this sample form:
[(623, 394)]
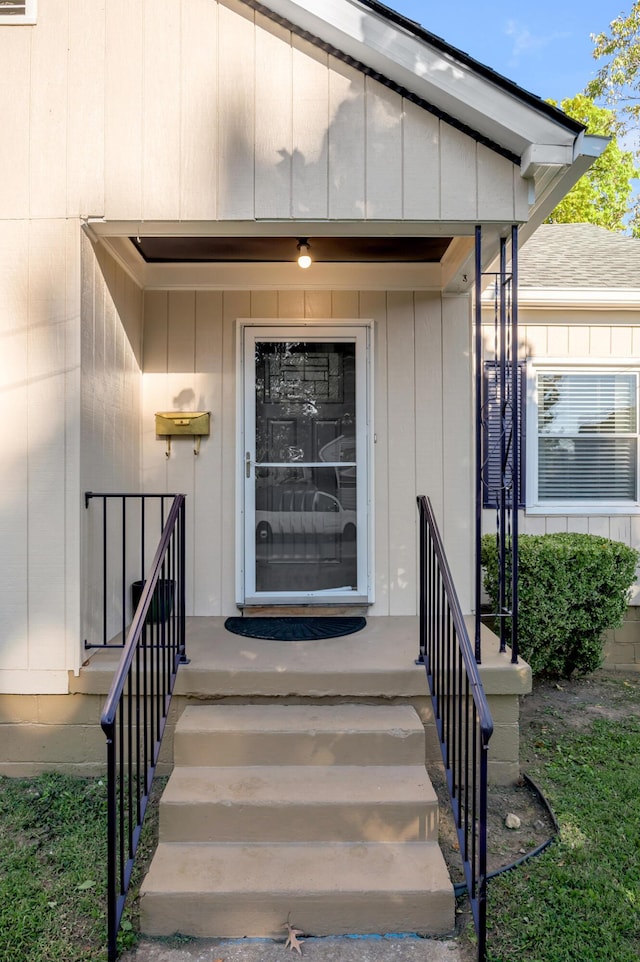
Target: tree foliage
[(603, 195), (618, 79)]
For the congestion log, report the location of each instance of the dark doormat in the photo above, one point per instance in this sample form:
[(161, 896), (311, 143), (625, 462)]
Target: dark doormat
[(294, 629)]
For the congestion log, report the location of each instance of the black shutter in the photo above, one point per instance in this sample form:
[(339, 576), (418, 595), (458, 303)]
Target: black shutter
[(491, 431)]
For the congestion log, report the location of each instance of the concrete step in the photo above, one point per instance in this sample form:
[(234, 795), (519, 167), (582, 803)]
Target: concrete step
[(281, 803), (299, 735), (234, 890)]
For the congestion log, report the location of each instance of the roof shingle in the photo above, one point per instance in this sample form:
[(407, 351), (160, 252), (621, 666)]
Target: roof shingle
[(579, 256)]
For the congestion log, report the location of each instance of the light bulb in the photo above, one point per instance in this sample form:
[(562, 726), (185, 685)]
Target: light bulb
[(304, 257)]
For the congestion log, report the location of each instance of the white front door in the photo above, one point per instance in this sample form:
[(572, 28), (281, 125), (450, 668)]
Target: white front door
[(305, 465)]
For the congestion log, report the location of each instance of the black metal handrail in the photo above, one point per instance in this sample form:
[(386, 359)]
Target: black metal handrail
[(136, 709), (462, 716)]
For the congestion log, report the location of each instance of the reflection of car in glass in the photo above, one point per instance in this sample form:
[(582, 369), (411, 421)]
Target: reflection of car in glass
[(294, 511)]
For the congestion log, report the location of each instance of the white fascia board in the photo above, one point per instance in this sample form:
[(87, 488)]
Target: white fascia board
[(579, 299), (555, 181), (449, 84)]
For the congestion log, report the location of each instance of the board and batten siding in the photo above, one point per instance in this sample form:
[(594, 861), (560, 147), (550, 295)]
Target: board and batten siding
[(603, 336), (111, 394), (39, 476), (421, 422), (145, 110)]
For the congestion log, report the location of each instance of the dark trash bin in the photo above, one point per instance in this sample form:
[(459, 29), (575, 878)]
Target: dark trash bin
[(161, 603)]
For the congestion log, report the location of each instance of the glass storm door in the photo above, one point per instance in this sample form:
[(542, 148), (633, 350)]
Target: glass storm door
[(305, 456)]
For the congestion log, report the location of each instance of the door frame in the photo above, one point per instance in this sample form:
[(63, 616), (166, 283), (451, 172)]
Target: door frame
[(323, 327)]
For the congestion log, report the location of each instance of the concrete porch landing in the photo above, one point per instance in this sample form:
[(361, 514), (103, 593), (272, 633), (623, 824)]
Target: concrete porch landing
[(376, 664)]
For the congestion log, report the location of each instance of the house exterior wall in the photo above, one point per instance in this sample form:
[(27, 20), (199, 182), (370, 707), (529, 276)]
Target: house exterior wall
[(139, 110), (143, 110), (603, 336), (422, 423)]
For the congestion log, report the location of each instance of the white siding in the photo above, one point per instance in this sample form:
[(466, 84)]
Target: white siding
[(109, 419), (39, 401), (418, 444), (145, 110)]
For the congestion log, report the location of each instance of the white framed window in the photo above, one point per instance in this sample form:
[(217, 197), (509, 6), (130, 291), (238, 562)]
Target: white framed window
[(582, 437), (18, 11)]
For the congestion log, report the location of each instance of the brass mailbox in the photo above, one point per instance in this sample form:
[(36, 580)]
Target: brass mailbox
[(170, 424)]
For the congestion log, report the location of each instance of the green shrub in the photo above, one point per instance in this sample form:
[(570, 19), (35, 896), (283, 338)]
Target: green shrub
[(572, 588)]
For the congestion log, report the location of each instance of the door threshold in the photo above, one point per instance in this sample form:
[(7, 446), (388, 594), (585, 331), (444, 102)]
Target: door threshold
[(302, 611)]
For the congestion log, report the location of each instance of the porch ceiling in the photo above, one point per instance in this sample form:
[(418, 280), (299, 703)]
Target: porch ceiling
[(330, 250)]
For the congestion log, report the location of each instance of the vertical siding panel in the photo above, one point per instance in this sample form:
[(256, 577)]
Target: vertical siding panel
[(317, 304), (264, 304), (533, 524), (579, 525), (373, 304), (600, 341), (558, 340), (181, 337), (45, 439), (429, 405), (384, 151), (161, 107), (208, 560), (345, 304), (235, 304), (236, 75), (181, 396), (457, 442), (402, 466), (48, 112), (73, 490), (346, 141), (154, 382), (458, 175), (620, 528), (274, 109), (554, 524), (579, 341), (622, 341), (15, 57), (521, 196), (635, 335), (14, 295), (123, 109), (599, 525), (495, 185), (310, 167), (421, 160), (86, 114), (199, 111), (290, 304), (537, 340)]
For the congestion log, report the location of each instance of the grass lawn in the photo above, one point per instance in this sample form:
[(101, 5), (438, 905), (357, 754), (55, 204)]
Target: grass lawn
[(580, 900), (53, 869)]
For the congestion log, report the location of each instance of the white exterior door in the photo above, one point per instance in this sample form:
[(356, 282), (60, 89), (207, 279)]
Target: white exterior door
[(306, 434)]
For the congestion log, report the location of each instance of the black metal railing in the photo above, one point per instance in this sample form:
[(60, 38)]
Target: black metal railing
[(121, 533), (136, 709), (462, 717)]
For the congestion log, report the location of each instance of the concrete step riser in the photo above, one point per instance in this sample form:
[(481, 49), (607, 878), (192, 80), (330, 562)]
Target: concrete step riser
[(291, 823), (298, 748), (259, 916), (327, 888)]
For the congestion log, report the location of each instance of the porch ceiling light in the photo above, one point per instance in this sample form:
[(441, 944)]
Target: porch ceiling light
[(304, 257)]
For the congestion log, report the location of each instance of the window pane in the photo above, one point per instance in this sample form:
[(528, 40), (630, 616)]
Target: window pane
[(587, 469), (593, 403), (9, 7)]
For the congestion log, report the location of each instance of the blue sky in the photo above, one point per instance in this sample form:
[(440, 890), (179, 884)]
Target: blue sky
[(544, 47)]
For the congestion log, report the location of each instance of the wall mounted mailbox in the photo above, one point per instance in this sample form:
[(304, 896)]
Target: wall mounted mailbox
[(195, 424)]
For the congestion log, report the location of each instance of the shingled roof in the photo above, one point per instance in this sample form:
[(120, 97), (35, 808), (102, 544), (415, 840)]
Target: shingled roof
[(579, 256)]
